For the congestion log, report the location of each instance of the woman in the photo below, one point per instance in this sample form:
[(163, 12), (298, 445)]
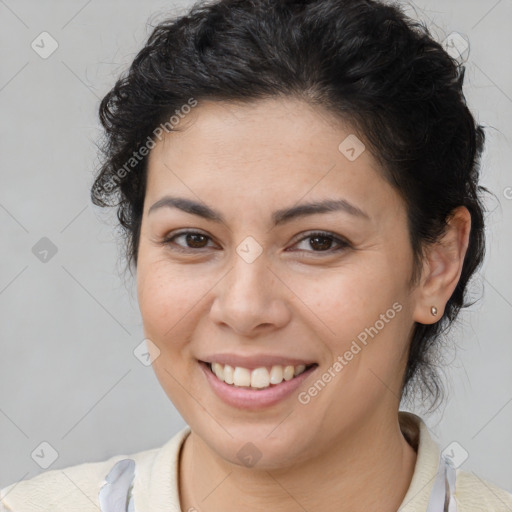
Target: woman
[(298, 182)]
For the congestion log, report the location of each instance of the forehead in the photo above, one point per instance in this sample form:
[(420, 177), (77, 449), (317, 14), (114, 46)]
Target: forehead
[(277, 127), (280, 149)]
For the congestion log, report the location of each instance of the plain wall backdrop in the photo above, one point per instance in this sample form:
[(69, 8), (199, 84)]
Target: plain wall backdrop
[(69, 322)]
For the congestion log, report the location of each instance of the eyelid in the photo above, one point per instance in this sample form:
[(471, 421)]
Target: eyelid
[(341, 241), (167, 240)]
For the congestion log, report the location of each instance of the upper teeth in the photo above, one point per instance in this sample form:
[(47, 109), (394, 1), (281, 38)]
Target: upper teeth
[(257, 378)]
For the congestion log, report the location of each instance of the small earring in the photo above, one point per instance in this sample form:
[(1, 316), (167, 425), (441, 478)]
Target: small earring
[(433, 310)]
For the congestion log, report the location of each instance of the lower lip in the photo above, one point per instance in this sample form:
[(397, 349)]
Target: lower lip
[(248, 398)]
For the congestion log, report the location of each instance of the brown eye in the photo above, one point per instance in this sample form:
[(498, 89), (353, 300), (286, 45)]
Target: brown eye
[(319, 242), (322, 242), (192, 240), (195, 240)]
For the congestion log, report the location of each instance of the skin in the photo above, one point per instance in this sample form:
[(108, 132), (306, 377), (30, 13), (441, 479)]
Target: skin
[(344, 450)]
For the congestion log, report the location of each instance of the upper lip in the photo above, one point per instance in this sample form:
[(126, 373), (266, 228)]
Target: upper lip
[(256, 361)]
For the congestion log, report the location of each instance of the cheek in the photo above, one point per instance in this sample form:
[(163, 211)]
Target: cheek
[(361, 309), (166, 290), (352, 296), (164, 299), (167, 307)]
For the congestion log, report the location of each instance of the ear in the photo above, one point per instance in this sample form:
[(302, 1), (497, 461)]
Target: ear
[(442, 268)]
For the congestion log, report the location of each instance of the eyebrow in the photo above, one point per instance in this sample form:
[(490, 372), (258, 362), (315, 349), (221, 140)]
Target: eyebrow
[(278, 217)]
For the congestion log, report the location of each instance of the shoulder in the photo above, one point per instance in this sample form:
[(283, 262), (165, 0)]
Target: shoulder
[(474, 494), (76, 488), (471, 493)]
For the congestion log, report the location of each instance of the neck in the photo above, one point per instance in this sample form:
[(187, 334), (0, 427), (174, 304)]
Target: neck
[(371, 468)]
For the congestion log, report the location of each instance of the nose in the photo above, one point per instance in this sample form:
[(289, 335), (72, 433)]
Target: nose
[(251, 298)]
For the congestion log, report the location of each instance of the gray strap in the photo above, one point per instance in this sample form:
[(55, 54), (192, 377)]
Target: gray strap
[(450, 477), (442, 496), (115, 494)]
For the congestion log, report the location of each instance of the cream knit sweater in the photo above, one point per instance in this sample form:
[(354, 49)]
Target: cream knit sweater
[(155, 486)]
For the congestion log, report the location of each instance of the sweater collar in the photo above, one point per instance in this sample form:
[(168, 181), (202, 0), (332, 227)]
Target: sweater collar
[(157, 487), (418, 436)]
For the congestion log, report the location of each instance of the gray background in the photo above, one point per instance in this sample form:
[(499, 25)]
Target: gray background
[(68, 326)]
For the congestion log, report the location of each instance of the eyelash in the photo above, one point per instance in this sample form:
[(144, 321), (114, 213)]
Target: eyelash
[(343, 244)]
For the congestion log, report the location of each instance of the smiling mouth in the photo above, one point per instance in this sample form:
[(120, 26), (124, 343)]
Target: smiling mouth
[(258, 378)]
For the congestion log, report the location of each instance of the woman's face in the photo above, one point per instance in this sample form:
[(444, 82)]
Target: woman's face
[(258, 288)]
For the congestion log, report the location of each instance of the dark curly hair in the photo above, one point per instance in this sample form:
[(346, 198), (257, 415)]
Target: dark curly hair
[(362, 60)]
